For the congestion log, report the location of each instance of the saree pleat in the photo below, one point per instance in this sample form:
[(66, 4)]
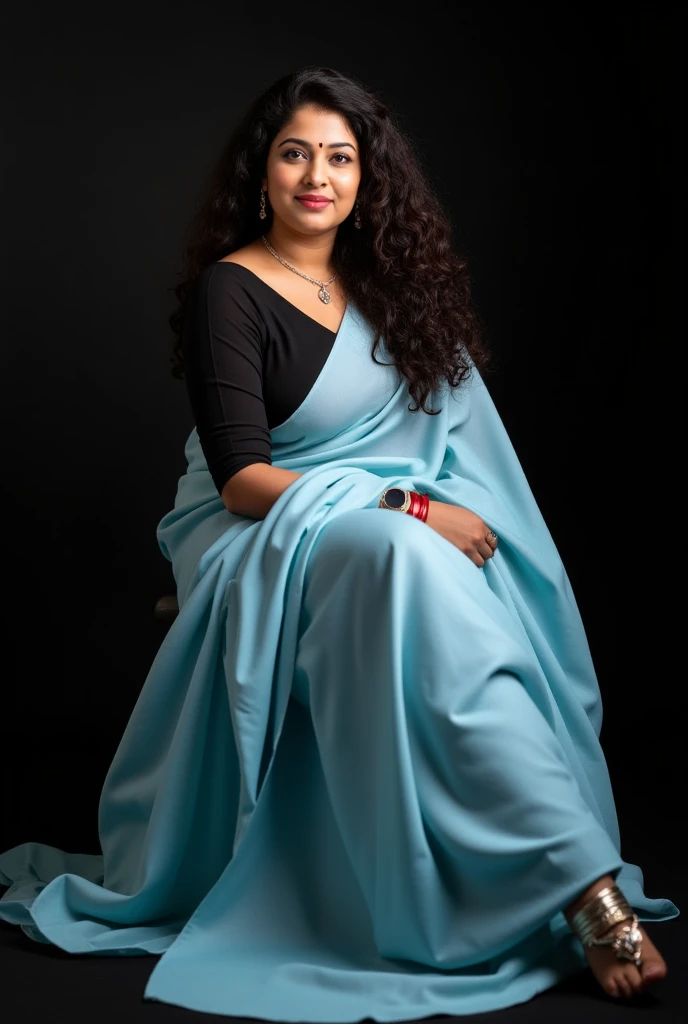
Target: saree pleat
[(363, 777)]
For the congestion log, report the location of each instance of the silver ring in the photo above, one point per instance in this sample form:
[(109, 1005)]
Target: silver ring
[(491, 534)]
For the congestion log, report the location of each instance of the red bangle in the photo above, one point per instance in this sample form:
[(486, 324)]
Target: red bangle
[(425, 499), (419, 506)]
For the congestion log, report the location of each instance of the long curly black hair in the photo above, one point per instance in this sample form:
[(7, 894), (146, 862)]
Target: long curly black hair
[(399, 269)]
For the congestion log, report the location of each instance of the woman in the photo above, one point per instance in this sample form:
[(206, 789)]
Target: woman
[(363, 778)]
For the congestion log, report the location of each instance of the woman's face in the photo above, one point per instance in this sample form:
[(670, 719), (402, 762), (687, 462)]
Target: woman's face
[(315, 155)]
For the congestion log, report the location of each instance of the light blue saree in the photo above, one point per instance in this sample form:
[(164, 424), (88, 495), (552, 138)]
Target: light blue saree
[(363, 776)]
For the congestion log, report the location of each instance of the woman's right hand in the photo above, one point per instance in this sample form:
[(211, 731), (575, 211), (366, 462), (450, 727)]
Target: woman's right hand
[(464, 529)]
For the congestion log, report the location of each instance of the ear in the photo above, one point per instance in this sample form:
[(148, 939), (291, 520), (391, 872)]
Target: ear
[(264, 183)]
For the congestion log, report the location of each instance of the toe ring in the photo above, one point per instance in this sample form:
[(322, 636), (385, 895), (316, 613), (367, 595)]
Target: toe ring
[(626, 942)]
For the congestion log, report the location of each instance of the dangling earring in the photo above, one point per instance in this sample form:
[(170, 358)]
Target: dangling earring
[(357, 216), (262, 213)]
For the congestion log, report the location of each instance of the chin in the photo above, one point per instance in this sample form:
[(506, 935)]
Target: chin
[(309, 223)]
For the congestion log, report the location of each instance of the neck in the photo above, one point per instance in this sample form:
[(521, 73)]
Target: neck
[(310, 253)]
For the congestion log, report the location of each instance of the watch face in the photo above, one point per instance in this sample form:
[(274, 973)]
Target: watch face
[(395, 497)]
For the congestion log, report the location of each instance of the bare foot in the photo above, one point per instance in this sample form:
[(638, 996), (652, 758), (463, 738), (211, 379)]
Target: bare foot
[(619, 978)]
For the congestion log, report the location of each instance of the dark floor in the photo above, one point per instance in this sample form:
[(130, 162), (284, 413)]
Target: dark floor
[(40, 982)]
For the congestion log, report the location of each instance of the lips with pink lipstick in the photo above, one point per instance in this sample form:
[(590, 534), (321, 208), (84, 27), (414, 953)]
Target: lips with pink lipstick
[(313, 202)]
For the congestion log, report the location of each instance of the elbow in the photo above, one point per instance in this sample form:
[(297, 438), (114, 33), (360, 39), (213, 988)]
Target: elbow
[(237, 491), (227, 493), (230, 493)]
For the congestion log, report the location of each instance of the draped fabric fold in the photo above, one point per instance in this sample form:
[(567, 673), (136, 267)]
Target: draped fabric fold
[(363, 776)]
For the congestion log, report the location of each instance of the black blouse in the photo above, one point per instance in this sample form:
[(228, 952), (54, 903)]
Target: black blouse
[(250, 359)]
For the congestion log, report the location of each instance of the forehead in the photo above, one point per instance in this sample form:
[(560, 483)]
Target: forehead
[(317, 126)]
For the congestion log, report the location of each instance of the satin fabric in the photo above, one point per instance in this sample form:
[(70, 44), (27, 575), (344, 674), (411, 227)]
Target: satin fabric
[(363, 776)]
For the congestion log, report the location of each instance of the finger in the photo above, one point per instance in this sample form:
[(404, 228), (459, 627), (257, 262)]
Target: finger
[(484, 549), (478, 559), (493, 540)]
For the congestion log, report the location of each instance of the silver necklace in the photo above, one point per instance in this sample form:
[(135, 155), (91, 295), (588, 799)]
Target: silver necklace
[(323, 294)]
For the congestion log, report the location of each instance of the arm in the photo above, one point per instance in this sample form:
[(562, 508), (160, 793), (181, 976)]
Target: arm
[(253, 491), (223, 356)]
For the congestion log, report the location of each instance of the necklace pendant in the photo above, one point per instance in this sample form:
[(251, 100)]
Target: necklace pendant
[(324, 295)]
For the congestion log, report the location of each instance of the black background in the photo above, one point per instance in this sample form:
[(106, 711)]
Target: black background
[(553, 137)]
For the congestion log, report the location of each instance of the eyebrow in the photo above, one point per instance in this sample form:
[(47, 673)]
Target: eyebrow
[(331, 145)]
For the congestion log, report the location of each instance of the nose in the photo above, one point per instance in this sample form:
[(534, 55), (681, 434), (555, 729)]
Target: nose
[(316, 170)]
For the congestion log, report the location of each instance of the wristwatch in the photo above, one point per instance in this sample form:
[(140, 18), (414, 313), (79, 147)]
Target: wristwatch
[(396, 499)]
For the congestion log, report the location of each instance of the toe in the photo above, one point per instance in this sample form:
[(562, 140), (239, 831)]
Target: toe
[(611, 988), (652, 971), (625, 988), (634, 979)]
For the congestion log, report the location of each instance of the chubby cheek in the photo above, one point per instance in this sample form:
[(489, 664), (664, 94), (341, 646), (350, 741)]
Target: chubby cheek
[(346, 186), (284, 178)]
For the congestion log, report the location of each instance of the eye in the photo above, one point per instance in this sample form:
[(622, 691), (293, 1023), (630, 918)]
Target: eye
[(292, 152), (344, 158)]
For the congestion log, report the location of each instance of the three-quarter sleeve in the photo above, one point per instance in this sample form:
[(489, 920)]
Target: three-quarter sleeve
[(223, 345)]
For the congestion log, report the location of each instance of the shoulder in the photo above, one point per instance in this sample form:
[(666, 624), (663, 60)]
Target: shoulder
[(230, 290), (251, 257), (223, 312), (240, 272), (223, 276)]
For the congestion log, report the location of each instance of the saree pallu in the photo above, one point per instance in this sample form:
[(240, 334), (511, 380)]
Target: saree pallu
[(363, 776)]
